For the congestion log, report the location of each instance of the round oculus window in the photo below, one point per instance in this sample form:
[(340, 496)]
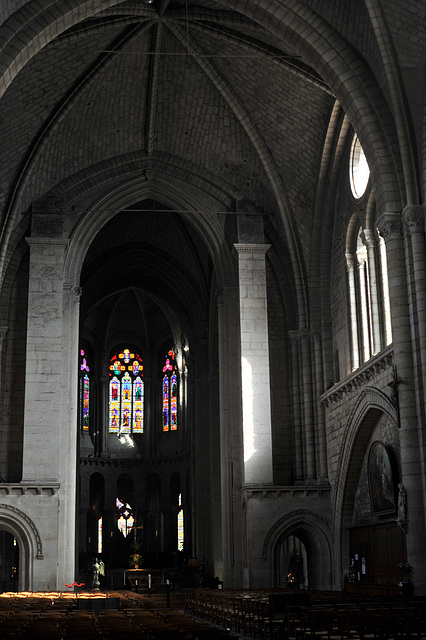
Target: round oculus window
[(359, 172)]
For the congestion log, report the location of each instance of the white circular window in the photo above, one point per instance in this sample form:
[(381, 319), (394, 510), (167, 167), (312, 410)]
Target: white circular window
[(359, 172)]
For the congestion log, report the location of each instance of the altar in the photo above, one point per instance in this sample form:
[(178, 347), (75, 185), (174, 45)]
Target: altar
[(144, 578)]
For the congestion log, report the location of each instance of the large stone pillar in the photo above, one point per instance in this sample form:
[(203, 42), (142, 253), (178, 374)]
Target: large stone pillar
[(50, 413), (44, 361), (256, 400), (400, 266)]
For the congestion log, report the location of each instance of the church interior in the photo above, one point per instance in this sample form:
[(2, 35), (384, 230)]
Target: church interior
[(213, 294)]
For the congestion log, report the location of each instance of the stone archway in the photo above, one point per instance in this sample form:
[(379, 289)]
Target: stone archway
[(371, 406), (315, 535), (18, 524)]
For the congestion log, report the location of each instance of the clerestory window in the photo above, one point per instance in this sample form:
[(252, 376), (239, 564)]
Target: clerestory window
[(368, 296)]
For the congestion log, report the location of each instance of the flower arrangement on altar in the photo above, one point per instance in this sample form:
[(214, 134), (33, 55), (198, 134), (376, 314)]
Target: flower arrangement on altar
[(136, 558)]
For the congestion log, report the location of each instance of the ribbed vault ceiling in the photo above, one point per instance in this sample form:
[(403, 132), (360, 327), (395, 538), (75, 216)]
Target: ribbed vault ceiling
[(186, 81)]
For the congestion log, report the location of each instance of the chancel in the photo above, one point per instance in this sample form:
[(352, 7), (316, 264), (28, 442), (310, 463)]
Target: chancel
[(213, 296)]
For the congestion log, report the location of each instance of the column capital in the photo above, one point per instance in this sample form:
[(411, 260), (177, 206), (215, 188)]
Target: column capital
[(369, 236), (251, 248), (389, 225), (413, 219), (350, 261)]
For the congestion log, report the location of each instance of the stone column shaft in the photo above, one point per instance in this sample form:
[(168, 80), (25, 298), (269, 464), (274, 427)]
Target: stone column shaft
[(375, 319), (3, 457), (298, 448), (412, 477), (231, 445), (322, 441), (308, 413), (350, 264), (45, 364), (255, 363)]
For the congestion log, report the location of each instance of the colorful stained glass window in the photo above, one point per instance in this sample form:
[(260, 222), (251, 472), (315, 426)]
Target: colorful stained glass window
[(126, 393), (125, 517), (180, 525), (84, 392), (170, 392)]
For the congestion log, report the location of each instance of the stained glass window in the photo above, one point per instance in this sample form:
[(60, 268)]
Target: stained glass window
[(170, 392), (180, 525), (126, 393), (125, 517), (84, 392)]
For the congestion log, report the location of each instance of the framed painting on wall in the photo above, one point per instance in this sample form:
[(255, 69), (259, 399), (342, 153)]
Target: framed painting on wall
[(381, 480)]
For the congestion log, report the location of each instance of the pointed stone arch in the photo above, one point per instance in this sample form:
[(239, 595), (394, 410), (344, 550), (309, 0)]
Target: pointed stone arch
[(173, 193), (372, 404), (316, 534)]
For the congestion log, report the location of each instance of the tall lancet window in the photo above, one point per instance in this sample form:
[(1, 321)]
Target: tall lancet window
[(84, 392), (170, 392), (126, 393)]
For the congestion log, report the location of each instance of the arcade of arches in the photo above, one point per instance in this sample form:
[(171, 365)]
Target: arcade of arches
[(213, 291)]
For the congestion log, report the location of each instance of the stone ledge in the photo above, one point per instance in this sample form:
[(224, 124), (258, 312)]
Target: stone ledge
[(363, 375), (93, 461), (280, 491), (26, 488)]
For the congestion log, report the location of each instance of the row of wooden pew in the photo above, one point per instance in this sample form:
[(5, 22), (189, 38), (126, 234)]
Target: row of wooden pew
[(56, 616), (303, 615)]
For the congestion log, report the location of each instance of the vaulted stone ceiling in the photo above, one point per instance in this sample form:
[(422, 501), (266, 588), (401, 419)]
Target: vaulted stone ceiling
[(193, 83), (241, 94)]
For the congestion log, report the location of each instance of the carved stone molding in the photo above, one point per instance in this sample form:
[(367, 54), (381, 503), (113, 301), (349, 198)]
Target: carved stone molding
[(413, 218), (251, 248), (26, 488), (276, 492), (390, 226), (21, 514), (358, 378), (126, 463), (47, 241)]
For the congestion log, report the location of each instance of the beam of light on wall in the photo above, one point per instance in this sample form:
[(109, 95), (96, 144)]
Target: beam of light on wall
[(126, 439), (248, 423)]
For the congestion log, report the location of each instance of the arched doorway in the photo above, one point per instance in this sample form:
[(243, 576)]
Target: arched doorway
[(20, 547), (301, 553), (9, 562), (293, 564)]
